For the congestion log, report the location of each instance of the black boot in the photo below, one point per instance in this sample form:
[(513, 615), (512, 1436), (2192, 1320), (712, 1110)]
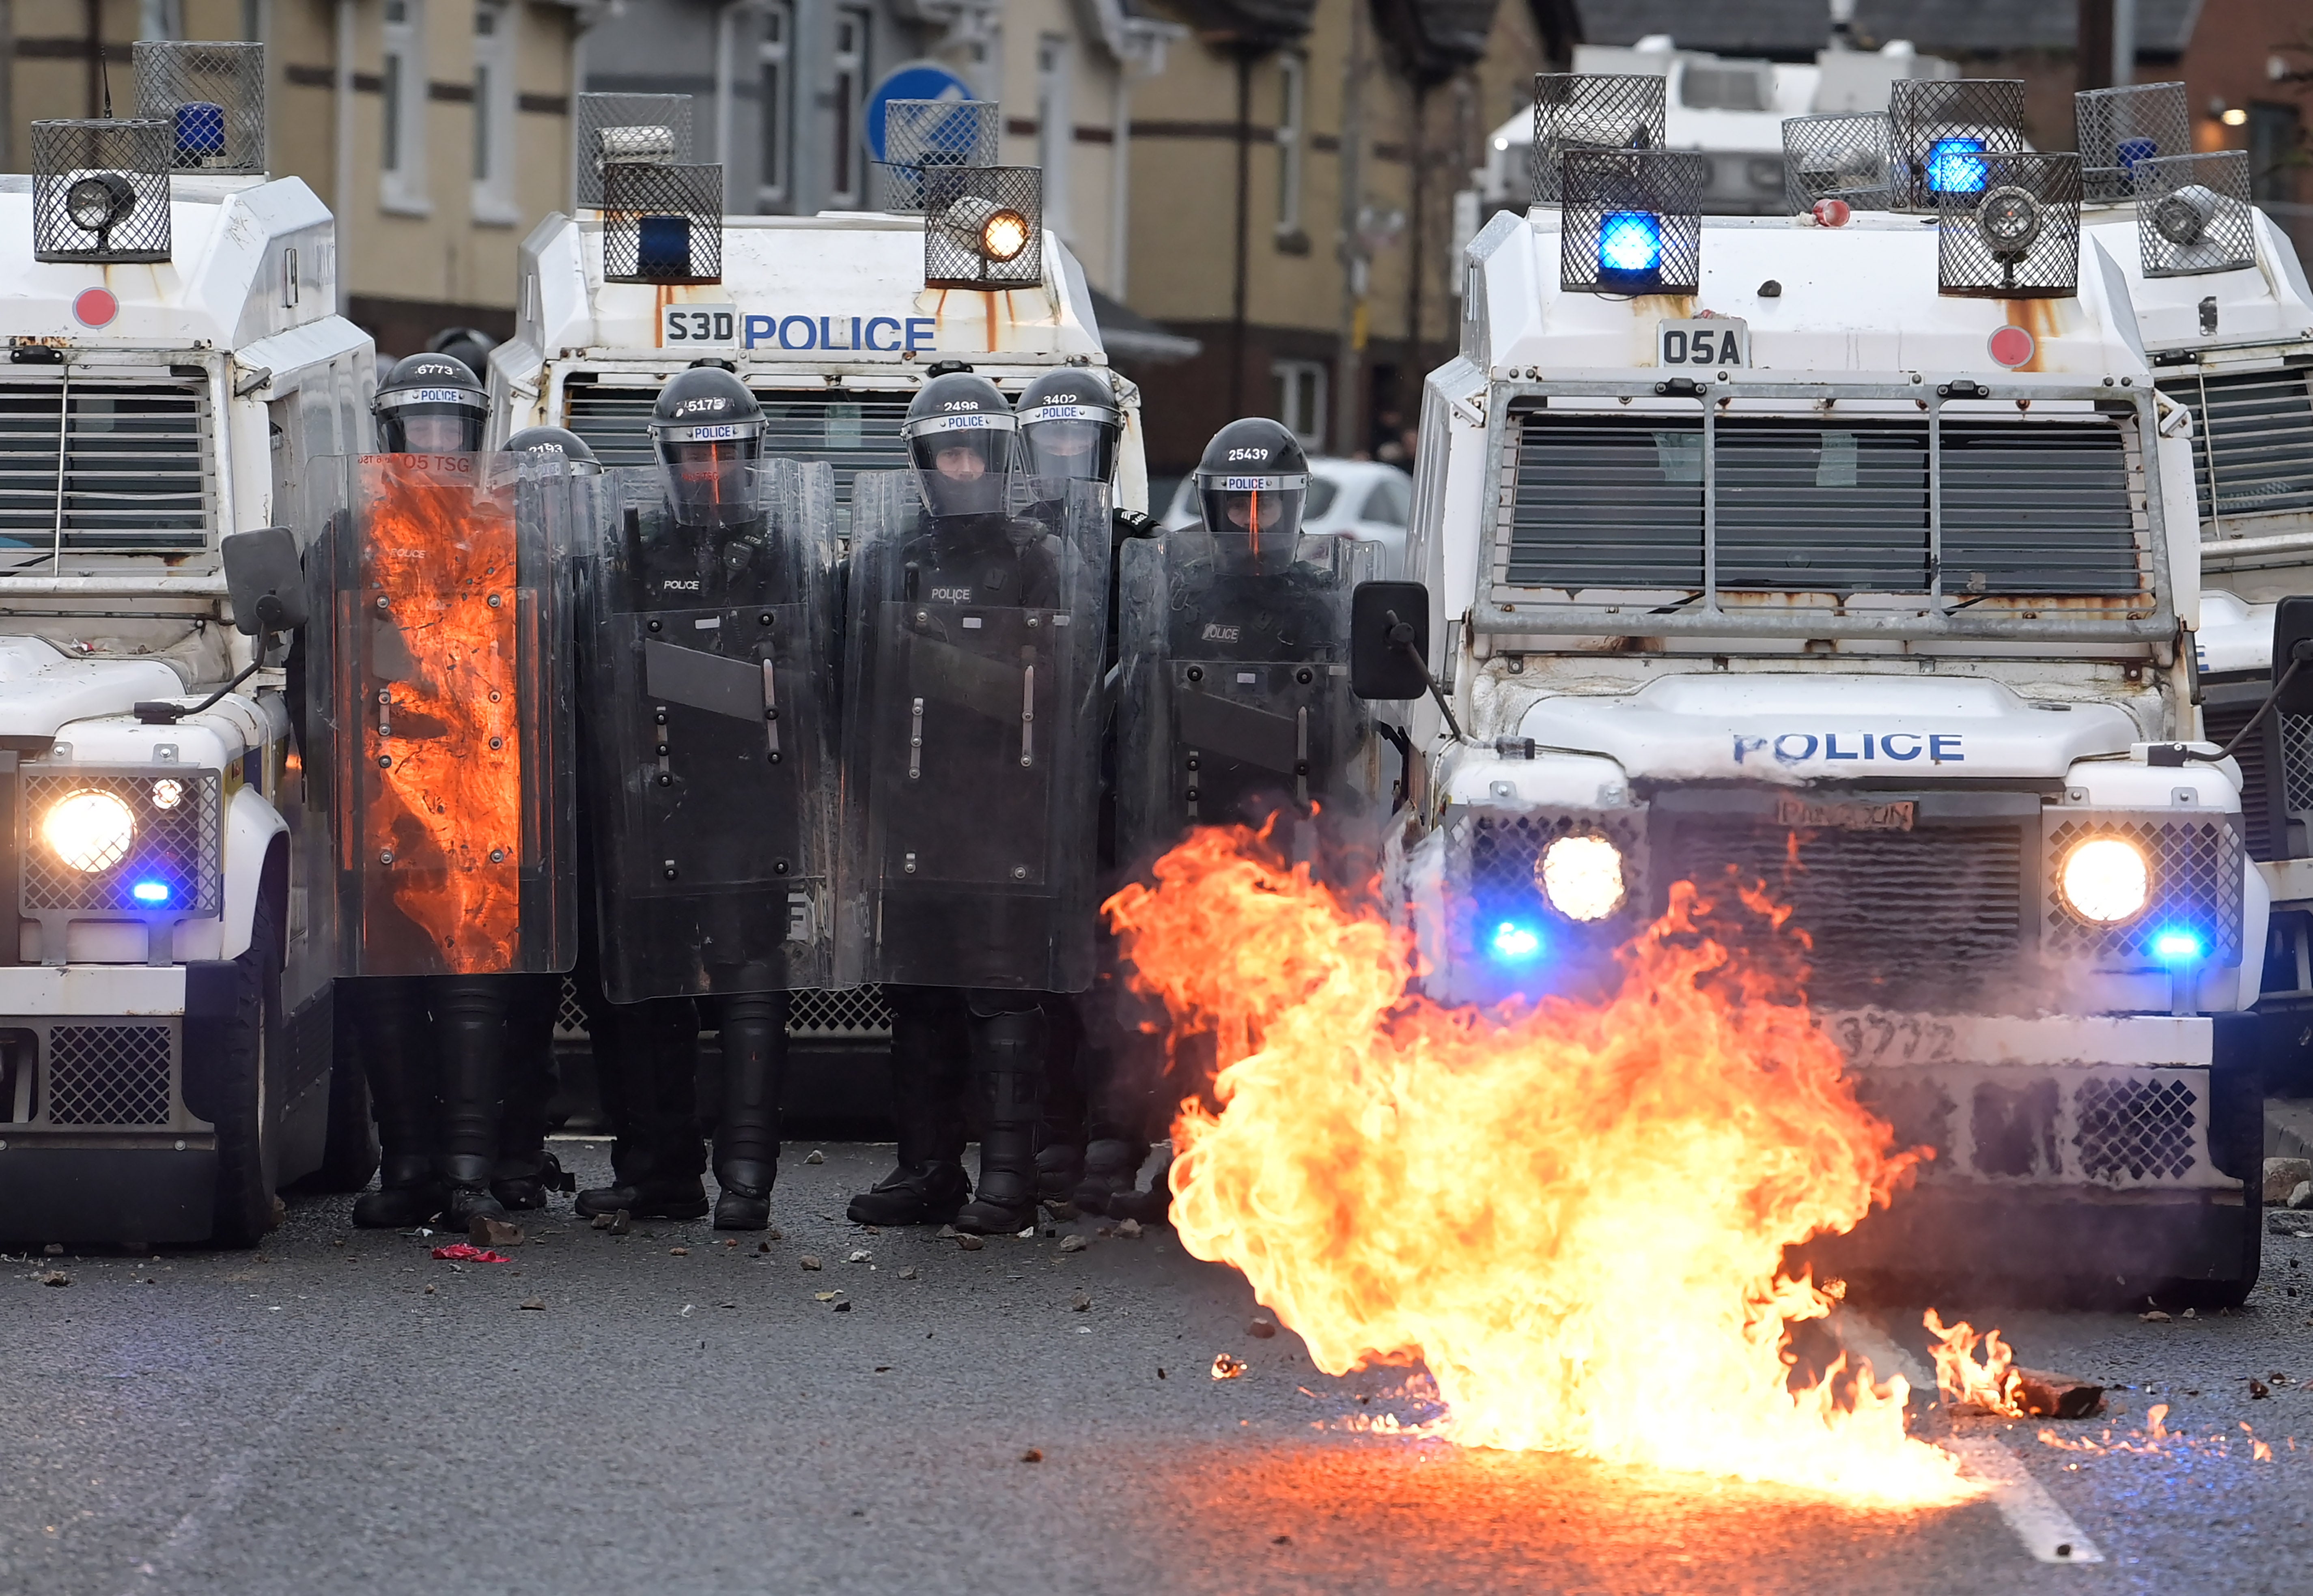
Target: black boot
[(1112, 1163), (644, 1060), (754, 1038), (1007, 1069), (389, 1025), (927, 1046), (526, 1171), (1061, 1141), (470, 1028)]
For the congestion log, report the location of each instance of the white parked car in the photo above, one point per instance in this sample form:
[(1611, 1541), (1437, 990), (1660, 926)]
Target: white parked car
[(1357, 498)]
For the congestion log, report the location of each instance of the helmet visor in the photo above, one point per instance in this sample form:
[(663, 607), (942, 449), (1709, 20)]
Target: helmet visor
[(431, 425), (1255, 521), (1072, 440), (710, 480), (963, 470)]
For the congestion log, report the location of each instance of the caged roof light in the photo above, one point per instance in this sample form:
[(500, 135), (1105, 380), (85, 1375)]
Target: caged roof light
[(212, 95), (2193, 214), (1590, 110), (983, 227), (2016, 234), (628, 128), (1633, 220), (1942, 129), (661, 222), (2119, 128), (919, 135), (1844, 156), (100, 190)]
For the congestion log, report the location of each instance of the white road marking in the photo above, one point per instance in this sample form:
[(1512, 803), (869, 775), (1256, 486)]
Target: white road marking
[(2047, 1531)]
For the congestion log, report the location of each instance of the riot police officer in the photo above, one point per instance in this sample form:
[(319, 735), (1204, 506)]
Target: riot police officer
[(1235, 710), (432, 1046), (971, 750), (710, 819)]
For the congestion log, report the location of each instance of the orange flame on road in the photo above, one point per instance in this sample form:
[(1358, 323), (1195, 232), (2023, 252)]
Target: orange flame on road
[(441, 799), (1574, 1215), (1993, 1385)]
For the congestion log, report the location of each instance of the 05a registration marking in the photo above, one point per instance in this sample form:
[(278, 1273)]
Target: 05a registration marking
[(697, 326), (1705, 340)]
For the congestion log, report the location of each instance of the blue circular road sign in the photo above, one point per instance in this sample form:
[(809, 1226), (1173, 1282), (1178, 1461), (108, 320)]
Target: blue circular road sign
[(916, 80)]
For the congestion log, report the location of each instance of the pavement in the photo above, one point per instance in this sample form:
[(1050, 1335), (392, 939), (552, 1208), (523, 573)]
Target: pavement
[(340, 1412)]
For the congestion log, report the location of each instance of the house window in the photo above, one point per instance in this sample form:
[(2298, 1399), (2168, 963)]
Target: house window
[(494, 114), (1292, 139), (401, 154), (1055, 127), (848, 158), (774, 102), (1301, 399)]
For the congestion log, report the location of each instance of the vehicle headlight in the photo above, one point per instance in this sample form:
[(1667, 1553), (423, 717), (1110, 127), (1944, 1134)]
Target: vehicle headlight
[(96, 203), (2182, 217), (1003, 235), (2106, 880), (2008, 218), (1581, 877), (89, 831)]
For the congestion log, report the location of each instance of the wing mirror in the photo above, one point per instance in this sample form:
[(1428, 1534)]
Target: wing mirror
[(1389, 640), (267, 579), (2292, 631)]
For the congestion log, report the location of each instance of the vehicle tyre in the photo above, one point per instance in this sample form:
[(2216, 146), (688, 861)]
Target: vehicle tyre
[(245, 1097), (349, 1157)]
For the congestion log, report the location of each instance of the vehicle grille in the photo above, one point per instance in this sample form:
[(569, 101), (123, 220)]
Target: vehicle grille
[(1896, 918), (2139, 1128), (2253, 443), (853, 433), (2038, 508), (108, 1074), (104, 467)]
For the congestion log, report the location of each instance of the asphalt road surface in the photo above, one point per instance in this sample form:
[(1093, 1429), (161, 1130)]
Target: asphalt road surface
[(342, 1413)]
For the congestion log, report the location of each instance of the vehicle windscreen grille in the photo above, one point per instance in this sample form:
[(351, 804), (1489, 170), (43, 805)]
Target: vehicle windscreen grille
[(2255, 434), (852, 433), (104, 467), (2028, 509), (1896, 918)]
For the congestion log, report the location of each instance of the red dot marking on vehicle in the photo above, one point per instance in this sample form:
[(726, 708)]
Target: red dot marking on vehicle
[(2011, 346), (95, 307)]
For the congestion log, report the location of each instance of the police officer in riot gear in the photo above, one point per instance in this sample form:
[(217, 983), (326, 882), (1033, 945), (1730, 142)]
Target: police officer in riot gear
[(987, 568), (1235, 710), (707, 549), (526, 1171), (432, 1046)]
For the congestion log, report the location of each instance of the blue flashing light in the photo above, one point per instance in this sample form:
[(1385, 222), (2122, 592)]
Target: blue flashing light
[(200, 129), (1514, 944), (1629, 244), (1956, 166), (2177, 945), (2132, 150), (155, 893)]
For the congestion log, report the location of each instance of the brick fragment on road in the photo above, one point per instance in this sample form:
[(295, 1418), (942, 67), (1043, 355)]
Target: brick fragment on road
[(815, 1156), (969, 1243), (55, 1277), (533, 1304), (2283, 1175), (2045, 1395), (1262, 1328), (1073, 1243), (810, 1260), (485, 1231)]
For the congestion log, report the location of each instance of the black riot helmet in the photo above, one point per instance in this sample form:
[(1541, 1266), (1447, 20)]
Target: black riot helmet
[(709, 431), (556, 443), (1251, 483), (1069, 424), (959, 437), (432, 404)]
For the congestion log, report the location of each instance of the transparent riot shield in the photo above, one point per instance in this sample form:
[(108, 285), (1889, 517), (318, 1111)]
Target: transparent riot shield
[(1235, 704), (709, 662), (970, 741), (448, 714)]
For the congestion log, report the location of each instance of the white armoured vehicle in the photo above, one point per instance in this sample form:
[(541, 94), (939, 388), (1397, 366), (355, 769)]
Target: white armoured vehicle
[(174, 358), (1854, 553), (2226, 317)]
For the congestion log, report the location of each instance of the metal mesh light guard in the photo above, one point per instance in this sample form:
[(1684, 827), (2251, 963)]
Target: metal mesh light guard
[(2117, 130), (113, 174), (1846, 156), (1576, 111), (597, 113), (212, 97), (2017, 234), (971, 214), (2193, 214), (1633, 220), (1940, 124), (925, 134), (661, 223)]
